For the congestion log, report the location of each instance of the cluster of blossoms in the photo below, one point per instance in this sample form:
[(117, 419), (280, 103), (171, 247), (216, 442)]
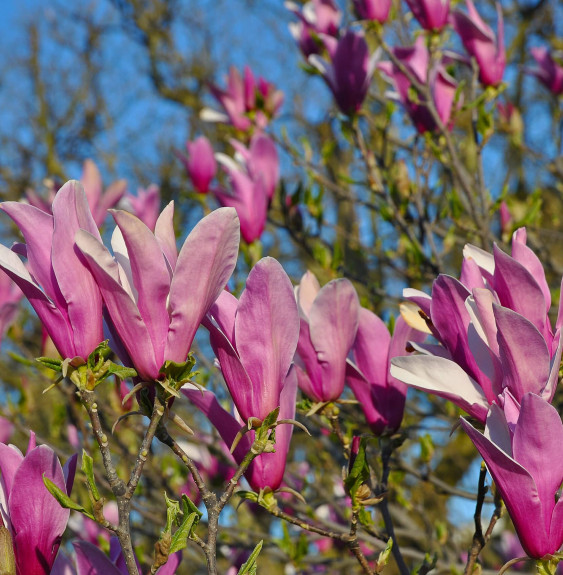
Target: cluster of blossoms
[(498, 359), (422, 84)]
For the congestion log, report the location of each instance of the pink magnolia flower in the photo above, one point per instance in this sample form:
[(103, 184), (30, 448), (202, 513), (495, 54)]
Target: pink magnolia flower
[(317, 19), (494, 331), (329, 319), (145, 205), (68, 302), (254, 339), (548, 71), (381, 396), (522, 451), (442, 86), (480, 42), (246, 101), (156, 297), (350, 71), (6, 429), (200, 163), (253, 181), (376, 10), (32, 516), (431, 14)]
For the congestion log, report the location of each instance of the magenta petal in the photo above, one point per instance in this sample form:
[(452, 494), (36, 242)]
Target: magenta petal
[(333, 323), (92, 561), (169, 568), (164, 233), (37, 229), (54, 320), (37, 518), (150, 278), (63, 566), (519, 493), (519, 291), (223, 312), (537, 447), (10, 459), (371, 347), (78, 287), (69, 471), (524, 255), (125, 316), (518, 341), (205, 264), (267, 330)]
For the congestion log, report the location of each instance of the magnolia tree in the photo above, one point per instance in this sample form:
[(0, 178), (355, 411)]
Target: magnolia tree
[(351, 362)]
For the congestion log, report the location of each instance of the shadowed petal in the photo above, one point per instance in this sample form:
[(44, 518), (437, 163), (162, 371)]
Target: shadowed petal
[(37, 518), (164, 233), (92, 561)]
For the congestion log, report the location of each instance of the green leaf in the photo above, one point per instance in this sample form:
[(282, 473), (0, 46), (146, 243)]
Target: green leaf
[(359, 474), (249, 568), (99, 355), (271, 418), (63, 499), (51, 363), (88, 470), (180, 538), (189, 506), (120, 371), (383, 558), (248, 495)]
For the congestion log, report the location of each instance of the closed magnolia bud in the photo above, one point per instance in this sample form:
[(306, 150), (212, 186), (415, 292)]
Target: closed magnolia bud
[(363, 492), (7, 558)]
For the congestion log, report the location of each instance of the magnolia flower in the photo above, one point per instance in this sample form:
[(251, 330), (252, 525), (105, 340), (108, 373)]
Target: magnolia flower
[(547, 71), (376, 10), (442, 86), (253, 180), (68, 302), (489, 325), (254, 339), (328, 324), (431, 14), (200, 163), (381, 396), (350, 71), (145, 205), (246, 101), (156, 297), (521, 448), (317, 20), (480, 42), (31, 519)]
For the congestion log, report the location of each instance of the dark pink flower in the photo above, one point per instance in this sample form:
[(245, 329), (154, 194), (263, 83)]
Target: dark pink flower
[(431, 14), (376, 10), (442, 86), (200, 163), (480, 42), (547, 71), (350, 71)]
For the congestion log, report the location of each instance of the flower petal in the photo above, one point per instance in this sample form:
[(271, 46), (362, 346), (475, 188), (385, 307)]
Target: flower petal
[(92, 561), (266, 331), (204, 266)]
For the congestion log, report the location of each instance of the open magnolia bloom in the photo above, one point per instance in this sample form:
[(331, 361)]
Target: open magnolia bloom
[(521, 446), (33, 518), (155, 297), (56, 280), (494, 331)]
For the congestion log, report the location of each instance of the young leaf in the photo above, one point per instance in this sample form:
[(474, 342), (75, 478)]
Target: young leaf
[(63, 499), (249, 568), (88, 470)]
